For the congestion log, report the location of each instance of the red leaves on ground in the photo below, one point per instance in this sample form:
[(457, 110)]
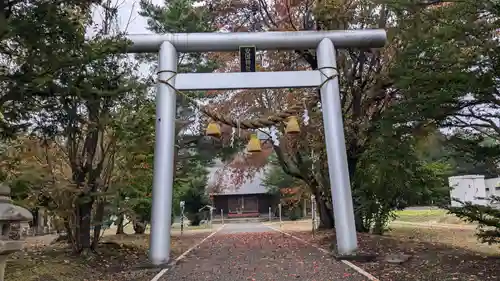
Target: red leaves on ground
[(259, 256), (429, 261)]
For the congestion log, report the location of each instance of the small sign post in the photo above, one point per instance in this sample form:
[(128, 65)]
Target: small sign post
[(313, 213), (247, 58), (182, 203), (211, 215), (281, 222)]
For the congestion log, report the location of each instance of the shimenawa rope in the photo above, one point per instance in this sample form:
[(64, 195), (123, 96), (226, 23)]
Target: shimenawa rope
[(257, 123)]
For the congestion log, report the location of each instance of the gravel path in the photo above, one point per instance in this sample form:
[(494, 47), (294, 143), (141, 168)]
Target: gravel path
[(255, 252), (244, 228)]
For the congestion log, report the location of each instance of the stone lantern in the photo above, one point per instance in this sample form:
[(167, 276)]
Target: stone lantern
[(9, 213)]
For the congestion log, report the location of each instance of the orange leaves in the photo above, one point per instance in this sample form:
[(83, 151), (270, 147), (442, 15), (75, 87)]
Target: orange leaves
[(282, 15), (211, 93), (253, 160), (440, 5), (291, 193), (34, 160), (142, 165), (288, 14), (244, 167), (289, 190), (291, 196), (231, 178)]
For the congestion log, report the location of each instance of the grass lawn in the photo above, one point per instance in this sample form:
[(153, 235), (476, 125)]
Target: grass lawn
[(177, 226), (429, 215), (452, 237), (424, 215)]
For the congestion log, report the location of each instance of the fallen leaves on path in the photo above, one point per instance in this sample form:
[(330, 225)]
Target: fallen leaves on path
[(259, 256)]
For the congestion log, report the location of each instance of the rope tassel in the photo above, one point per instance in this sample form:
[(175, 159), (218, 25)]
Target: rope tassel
[(292, 125), (254, 144), (213, 130)]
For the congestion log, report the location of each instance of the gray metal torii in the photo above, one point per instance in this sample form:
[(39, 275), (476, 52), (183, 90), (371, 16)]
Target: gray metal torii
[(325, 42)]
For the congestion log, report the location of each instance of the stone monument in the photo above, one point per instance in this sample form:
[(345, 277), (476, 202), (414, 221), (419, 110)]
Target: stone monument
[(9, 214)]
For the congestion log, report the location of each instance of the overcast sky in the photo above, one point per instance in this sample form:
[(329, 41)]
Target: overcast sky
[(128, 16)]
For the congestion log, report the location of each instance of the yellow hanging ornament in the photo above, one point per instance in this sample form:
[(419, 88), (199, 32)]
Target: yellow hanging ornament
[(254, 144), (213, 130), (292, 125)]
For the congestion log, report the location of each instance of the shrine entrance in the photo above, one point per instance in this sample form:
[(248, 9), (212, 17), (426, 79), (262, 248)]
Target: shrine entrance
[(240, 205), (325, 78)]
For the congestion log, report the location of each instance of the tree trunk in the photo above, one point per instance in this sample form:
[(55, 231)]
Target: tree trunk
[(378, 227), (40, 224), (84, 216), (119, 224), (139, 227), (98, 221), (70, 234), (69, 231), (358, 219), (304, 208), (33, 224), (326, 219)]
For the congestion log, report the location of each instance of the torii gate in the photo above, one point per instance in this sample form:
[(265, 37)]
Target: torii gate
[(324, 42)]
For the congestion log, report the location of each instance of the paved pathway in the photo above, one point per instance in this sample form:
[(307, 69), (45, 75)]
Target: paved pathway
[(252, 251), (244, 228)]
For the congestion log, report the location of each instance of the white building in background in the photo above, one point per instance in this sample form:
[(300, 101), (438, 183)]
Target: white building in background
[(473, 188)]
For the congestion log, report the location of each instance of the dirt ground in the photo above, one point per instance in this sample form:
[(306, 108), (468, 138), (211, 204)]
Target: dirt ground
[(439, 253), (117, 259)]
